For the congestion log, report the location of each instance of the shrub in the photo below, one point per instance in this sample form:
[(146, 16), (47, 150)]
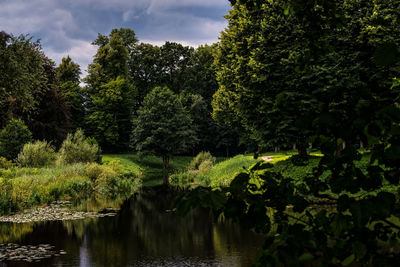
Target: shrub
[(76, 149), (200, 158), (37, 154), (182, 179), (205, 166), (97, 172), (5, 164), (13, 138)]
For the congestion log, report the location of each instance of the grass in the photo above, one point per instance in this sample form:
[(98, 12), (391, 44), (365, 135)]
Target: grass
[(26, 187), (149, 168), (222, 172)]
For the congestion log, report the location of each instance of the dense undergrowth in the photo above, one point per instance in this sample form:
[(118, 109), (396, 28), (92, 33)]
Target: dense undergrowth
[(26, 187)]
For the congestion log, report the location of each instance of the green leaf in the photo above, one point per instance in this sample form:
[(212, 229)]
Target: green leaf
[(306, 257), (347, 261), (359, 249)]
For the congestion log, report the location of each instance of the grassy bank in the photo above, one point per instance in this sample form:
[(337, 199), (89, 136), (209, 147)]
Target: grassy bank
[(26, 187), (149, 168)]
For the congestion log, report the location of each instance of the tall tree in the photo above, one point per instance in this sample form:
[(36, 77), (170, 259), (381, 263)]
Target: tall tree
[(200, 75), (110, 91), (145, 69), (51, 119), (348, 58), (68, 78), (162, 127), (175, 59), (21, 76), (256, 66)]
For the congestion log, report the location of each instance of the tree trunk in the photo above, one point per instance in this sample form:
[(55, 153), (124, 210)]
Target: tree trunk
[(276, 149), (165, 178), (361, 144), (165, 162), (165, 167), (302, 148), (294, 146)]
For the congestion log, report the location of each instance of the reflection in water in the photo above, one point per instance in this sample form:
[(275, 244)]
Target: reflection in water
[(144, 233)]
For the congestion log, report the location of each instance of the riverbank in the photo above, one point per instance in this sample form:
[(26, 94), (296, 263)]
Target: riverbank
[(24, 188)]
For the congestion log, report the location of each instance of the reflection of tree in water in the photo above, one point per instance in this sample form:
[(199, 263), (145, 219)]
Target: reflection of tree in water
[(143, 231), (149, 230), (14, 232)]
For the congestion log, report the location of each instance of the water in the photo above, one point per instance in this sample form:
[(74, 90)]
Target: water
[(144, 233)]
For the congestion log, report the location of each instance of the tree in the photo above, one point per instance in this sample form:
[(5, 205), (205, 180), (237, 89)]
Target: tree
[(347, 60), (110, 91), (13, 138), (21, 76), (68, 78), (175, 59), (109, 118), (162, 127), (51, 118), (256, 66), (145, 69), (68, 71), (200, 75)]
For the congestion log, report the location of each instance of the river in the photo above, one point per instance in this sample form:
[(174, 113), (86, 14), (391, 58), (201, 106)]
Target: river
[(143, 233)]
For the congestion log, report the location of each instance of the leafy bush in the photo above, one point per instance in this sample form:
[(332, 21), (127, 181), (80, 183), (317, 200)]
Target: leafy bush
[(5, 164), (97, 172), (13, 138), (37, 154), (199, 159), (205, 166), (76, 149), (182, 178)]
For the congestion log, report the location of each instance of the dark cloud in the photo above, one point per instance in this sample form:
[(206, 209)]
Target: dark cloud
[(69, 26)]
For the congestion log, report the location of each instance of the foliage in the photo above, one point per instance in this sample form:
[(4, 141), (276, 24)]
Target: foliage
[(5, 164), (346, 58), (26, 187), (145, 69), (22, 76), (145, 166), (200, 76), (199, 159), (111, 93), (109, 118), (162, 127), (76, 149), (174, 61), (68, 73), (51, 120), (222, 172), (13, 137), (37, 154)]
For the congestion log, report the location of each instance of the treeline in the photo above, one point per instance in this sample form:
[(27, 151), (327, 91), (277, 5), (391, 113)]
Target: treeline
[(52, 100)]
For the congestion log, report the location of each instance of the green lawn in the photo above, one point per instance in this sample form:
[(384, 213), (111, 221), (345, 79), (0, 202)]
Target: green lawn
[(151, 171), (149, 167)]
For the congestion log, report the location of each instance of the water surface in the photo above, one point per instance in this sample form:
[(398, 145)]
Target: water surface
[(144, 233)]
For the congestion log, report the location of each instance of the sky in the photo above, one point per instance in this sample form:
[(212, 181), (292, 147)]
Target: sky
[(67, 27)]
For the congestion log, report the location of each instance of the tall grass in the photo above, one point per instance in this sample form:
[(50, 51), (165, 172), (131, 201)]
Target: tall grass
[(25, 187), (221, 174)]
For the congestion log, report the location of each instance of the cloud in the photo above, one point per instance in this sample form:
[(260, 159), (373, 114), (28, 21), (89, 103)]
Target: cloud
[(67, 27), (80, 51)]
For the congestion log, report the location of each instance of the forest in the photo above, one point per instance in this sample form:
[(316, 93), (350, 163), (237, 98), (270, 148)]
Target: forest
[(288, 126)]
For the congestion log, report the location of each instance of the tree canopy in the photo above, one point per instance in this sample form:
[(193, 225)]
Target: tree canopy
[(162, 127), (320, 70)]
